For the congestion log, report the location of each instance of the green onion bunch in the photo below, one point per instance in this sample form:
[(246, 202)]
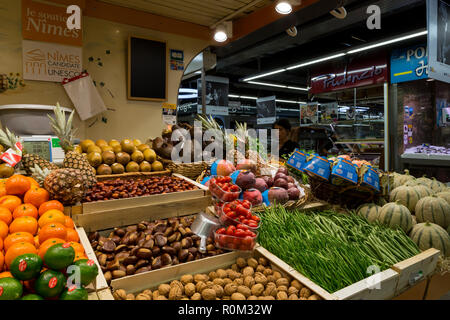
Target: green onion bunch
[(333, 250)]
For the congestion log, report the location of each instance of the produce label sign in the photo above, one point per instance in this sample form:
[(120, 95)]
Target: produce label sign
[(319, 167), (297, 160), (50, 62), (371, 179), (43, 22), (345, 170), (409, 64)]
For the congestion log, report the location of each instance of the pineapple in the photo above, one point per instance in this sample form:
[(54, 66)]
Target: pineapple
[(39, 174), (9, 139), (73, 160), (65, 185)]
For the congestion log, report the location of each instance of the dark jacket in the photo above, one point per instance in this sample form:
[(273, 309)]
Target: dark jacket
[(288, 148)]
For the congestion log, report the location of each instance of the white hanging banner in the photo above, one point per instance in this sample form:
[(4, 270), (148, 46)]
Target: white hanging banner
[(266, 110), (84, 96)]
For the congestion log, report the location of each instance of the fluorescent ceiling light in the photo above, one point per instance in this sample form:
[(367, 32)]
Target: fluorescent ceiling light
[(249, 98), (188, 90), (383, 43), (290, 101), (267, 84), (187, 96), (283, 7), (233, 96), (265, 75), (298, 88), (316, 61)]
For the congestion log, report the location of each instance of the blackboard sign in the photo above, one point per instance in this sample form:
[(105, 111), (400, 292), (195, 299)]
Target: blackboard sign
[(147, 69)]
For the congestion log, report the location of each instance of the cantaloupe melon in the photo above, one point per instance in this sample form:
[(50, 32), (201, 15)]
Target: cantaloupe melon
[(401, 179), (414, 220), (370, 211), (437, 186), (411, 183), (395, 214), (424, 181), (407, 196), (429, 235), (424, 191), (433, 209), (444, 195)]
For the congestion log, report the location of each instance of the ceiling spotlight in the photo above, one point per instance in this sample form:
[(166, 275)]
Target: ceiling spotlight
[(223, 31), (283, 7)]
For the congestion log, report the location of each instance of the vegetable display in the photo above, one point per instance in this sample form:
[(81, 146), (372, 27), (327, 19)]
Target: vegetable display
[(249, 279), (333, 250), (239, 212)]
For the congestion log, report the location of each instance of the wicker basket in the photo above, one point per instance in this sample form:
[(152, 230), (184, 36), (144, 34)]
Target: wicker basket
[(347, 196), (189, 170)]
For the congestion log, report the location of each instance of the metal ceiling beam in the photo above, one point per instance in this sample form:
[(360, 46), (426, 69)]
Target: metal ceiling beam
[(314, 30)]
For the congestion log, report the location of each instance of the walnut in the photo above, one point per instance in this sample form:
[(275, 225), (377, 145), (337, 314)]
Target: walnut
[(257, 289), (282, 282), (187, 278), (241, 263), (175, 293), (237, 296), (252, 262), (189, 289), (248, 271), (209, 294), (245, 291), (249, 281), (218, 289), (282, 295), (230, 289), (196, 296)]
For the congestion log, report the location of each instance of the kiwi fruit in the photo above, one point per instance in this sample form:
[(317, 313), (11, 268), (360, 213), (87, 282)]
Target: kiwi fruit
[(123, 158), (93, 148), (6, 170), (145, 166), (101, 143), (107, 148), (143, 147), (150, 155), (157, 166), (95, 159), (104, 170), (132, 167), (128, 146), (86, 143), (137, 156), (108, 157), (117, 168)]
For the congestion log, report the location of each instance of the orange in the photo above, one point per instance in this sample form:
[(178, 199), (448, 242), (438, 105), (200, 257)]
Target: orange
[(49, 205), (52, 216), (25, 210), (80, 256), (1, 244), (5, 274), (77, 247), (10, 202), (72, 235), (17, 185), (18, 237), (25, 224), (33, 183), (36, 242), (36, 196), (2, 262), (47, 244), (4, 230), (2, 191), (5, 215), (52, 230), (69, 223), (17, 249)]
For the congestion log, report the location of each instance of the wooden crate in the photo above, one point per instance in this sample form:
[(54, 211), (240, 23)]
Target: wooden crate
[(100, 282), (105, 294), (93, 296), (438, 286), (415, 269), (116, 206), (416, 292), (151, 280), (380, 286)]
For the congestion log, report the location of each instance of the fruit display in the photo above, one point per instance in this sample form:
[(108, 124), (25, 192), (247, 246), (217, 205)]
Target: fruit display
[(223, 189), (238, 237), (239, 212), (148, 246), (395, 214), (347, 242), (131, 188), (433, 209), (116, 157), (429, 235), (39, 246), (370, 211), (247, 279)]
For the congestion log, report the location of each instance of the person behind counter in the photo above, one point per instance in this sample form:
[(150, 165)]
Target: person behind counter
[(287, 146)]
